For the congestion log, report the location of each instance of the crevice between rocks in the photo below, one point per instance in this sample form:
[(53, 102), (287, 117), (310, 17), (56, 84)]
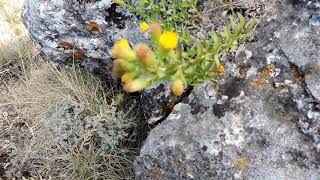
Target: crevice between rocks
[(187, 92)]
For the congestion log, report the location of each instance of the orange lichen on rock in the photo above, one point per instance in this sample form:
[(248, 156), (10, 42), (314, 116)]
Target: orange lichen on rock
[(93, 27), (220, 69), (298, 77), (162, 112), (265, 74), (65, 45), (92, 1), (156, 174), (170, 104), (78, 55)]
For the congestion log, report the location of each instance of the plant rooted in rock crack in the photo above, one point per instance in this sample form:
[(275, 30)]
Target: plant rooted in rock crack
[(143, 66)]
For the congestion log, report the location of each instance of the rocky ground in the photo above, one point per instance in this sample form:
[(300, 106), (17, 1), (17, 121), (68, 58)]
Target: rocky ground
[(260, 121)]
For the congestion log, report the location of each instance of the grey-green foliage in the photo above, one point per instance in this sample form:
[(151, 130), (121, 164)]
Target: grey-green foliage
[(74, 143), (69, 121)]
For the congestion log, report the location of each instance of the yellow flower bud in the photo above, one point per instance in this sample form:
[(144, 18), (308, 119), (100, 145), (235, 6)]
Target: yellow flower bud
[(177, 87), (135, 85), (117, 69), (122, 50), (127, 66), (169, 40), (144, 54), (155, 31), (144, 26), (127, 78)]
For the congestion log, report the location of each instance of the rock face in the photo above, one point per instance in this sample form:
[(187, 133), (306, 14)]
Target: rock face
[(261, 122), (254, 141), (79, 31)]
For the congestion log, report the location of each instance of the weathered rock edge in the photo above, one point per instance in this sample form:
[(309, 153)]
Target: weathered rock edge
[(79, 31)]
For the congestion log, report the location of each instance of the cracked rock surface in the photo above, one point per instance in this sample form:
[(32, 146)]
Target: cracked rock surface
[(261, 122)]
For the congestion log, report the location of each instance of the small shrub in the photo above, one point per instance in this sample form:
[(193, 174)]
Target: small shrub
[(172, 55), (165, 61)]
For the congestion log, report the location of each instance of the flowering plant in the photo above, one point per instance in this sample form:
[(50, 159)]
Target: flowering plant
[(143, 66)]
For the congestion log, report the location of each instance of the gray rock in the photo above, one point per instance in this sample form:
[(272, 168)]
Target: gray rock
[(315, 20), (297, 27), (253, 141), (157, 102), (312, 79), (79, 31), (261, 122)]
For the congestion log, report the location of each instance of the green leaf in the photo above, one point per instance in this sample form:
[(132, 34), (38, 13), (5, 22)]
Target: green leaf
[(242, 22)]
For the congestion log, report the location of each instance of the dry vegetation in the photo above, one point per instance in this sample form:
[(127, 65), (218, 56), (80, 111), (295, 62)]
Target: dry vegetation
[(59, 122), (55, 122)]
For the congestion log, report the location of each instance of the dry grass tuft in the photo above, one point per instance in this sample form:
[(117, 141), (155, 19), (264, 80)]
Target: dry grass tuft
[(14, 46), (55, 122), (10, 17), (16, 52), (45, 85), (62, 124)]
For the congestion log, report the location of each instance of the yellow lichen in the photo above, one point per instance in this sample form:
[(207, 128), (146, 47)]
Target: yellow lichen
[(241, 164)]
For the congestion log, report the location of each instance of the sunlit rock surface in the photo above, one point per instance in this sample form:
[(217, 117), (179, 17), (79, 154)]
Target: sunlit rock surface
[(79, 31)]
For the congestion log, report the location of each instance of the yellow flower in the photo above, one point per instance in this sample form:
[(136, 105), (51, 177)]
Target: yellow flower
[(135, 85), (144, 54), (144, 26), (127, 78), (117, 69), (177, 87), (169, 40), (123, 43), (122, 50)]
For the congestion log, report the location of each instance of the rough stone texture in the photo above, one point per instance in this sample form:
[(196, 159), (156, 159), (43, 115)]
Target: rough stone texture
[(81, 31), (157, 102), (253, 141), (312, 80), (261, 122)]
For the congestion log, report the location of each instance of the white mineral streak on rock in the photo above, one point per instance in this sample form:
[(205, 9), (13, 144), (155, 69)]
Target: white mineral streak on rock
[(235, 136)]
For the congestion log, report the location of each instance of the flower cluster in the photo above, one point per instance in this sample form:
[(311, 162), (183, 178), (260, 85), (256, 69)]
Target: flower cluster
[(142, 66)]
